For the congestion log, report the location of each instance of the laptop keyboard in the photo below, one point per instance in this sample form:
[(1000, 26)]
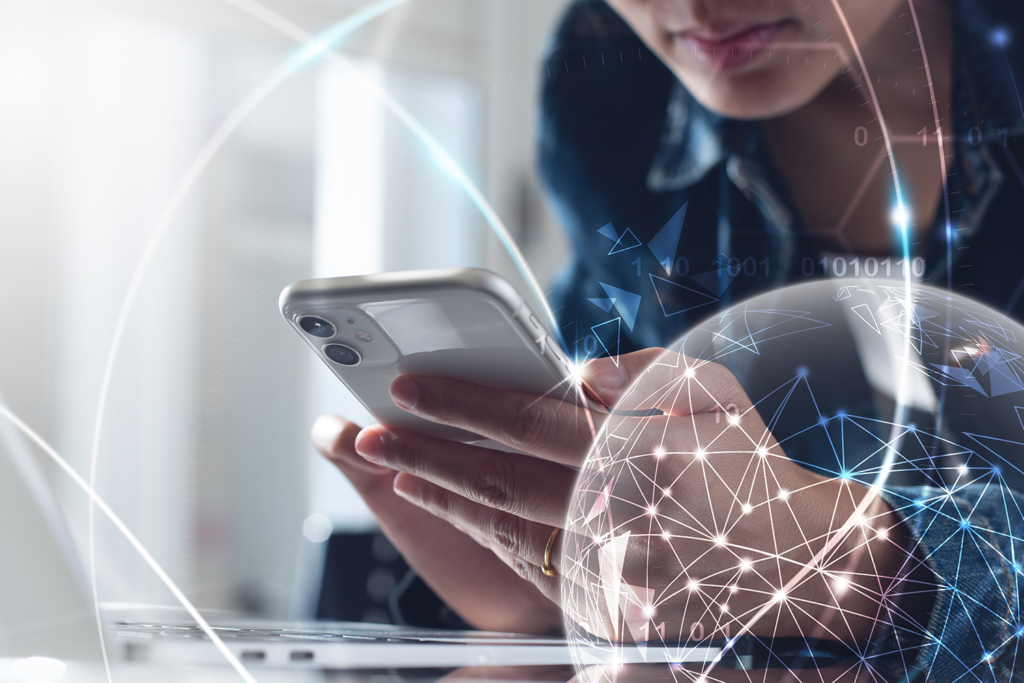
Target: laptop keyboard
[(352, 633)]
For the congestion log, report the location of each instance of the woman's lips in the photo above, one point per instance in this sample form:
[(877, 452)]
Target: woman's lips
[(731, 47)]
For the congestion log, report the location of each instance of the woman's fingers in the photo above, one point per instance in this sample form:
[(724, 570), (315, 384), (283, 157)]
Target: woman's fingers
[(515, 535), (520, 543), (513, 483), (469, 578), (335, 439), (665, 380), (564, 432), (546, 427)]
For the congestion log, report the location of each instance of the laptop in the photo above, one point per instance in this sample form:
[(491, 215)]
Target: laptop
[(46, 610)]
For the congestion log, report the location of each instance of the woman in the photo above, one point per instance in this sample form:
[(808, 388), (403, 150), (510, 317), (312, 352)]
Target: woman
[(744, 144)]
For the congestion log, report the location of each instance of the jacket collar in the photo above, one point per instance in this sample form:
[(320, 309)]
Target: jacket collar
[(693, 141)]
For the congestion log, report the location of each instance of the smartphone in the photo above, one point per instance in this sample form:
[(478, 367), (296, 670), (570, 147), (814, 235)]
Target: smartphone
[(465, 323)]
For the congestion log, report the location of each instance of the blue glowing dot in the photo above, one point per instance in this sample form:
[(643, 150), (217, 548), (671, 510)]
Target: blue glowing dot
[(1000, 37), (919, 503), (965, 524), (844, 475), (912, 428), (802, 371), (1019, 633)]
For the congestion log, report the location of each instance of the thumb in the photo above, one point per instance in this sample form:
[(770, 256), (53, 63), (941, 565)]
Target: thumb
[(665, 380), (335, 439)]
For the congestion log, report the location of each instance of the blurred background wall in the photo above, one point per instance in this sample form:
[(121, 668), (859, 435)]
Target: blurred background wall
[(104, 108)]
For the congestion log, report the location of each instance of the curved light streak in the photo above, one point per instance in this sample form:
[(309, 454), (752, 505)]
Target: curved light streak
[(903, 214), (320, 46), (314, 47), (896, 434), (185, 185), (942, 150), (942, 156), (436, 150), (95, 499)]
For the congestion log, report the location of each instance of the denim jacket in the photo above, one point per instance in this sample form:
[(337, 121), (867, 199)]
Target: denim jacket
[(624, 150)]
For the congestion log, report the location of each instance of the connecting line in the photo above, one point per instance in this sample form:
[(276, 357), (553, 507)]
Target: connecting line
[(1013, 80), (185, 185), (942, 151), (95, 499)]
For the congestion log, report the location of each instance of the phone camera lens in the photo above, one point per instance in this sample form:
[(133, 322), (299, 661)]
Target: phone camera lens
[(342, 355), (318, 327)]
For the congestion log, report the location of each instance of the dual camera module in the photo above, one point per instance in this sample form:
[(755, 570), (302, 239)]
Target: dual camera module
[(339, 353)]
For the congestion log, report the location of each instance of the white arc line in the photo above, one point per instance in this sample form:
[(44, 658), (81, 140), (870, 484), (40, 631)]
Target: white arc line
[(442, 157), (942, 149), (314, 48), (202, 160), (901, 387), (95, 499), (902, 384)]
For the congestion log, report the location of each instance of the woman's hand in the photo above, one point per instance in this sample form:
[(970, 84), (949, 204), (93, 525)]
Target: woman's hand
[(720, 523), (468, 576)]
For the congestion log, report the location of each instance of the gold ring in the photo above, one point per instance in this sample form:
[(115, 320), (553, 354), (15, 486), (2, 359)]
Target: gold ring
[(546, 567)]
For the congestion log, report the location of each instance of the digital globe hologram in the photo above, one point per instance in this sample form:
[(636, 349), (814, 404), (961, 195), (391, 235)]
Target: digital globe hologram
[(822, 476)]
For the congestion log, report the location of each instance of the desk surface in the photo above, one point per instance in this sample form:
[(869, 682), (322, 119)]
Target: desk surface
[(127, 672)]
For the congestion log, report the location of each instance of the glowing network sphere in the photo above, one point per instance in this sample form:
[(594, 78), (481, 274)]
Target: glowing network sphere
[(728, 502)]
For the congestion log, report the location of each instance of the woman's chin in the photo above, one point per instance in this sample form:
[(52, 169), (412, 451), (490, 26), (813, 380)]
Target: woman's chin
[(753, 95)]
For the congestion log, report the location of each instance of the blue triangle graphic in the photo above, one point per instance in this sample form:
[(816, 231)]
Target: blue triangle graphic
[(604, 304), (867, 316), (1004, 381), (609, 232), (717, 280), (626, 303), (961, 375), (665, 244), (714, 281), (632, 243), (666, 291), (609, 344)]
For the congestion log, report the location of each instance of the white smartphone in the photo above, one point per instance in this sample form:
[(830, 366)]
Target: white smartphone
[(465, 323)]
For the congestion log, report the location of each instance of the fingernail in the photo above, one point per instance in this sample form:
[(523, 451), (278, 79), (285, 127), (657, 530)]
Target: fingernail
[(325, 433), (603, 375), (405, 391), (408, 487), (368, 445)]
